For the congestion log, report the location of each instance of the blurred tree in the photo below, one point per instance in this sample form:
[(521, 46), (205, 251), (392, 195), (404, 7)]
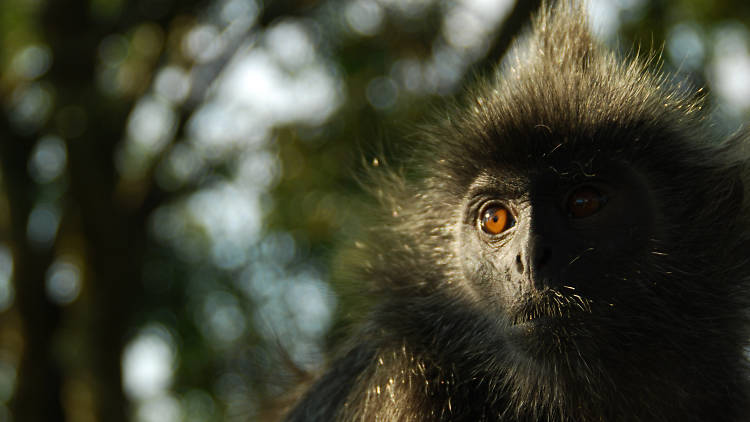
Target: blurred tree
[(93, 208)]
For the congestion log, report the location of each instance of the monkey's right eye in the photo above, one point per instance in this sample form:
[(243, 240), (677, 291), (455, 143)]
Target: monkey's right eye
[(496, 220)]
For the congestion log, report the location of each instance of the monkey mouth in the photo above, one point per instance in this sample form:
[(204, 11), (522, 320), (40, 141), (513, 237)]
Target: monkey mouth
[(547, 307)]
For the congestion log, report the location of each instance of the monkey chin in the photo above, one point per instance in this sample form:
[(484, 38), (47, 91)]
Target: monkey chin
[(546, 323)]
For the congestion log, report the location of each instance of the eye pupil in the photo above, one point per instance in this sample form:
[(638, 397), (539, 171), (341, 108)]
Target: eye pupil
[(585, 202), (497, 220)]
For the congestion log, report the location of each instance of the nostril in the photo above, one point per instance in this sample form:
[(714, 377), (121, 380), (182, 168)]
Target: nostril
[(544, 257), (519, 264)]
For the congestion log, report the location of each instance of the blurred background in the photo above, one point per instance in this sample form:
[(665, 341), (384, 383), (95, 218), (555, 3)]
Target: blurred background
[(178, 178)]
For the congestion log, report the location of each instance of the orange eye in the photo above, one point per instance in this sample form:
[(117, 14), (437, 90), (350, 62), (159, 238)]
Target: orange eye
[(585, 201), (497, 220)]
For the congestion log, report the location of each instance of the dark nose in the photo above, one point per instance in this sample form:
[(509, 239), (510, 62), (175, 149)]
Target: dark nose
[(535, 262)]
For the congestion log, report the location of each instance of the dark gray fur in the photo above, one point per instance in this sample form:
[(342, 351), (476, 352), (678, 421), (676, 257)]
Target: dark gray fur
[(661, 326)]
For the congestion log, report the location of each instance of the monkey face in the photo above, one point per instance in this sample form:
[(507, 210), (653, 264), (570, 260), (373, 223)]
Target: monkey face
[(556, 242)]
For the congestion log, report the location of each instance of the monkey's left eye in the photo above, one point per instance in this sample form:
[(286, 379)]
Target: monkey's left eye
[(496, 220), (585, 201)]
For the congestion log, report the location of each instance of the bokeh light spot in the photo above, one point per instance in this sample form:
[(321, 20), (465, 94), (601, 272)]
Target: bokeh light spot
[(30, 107), (32, 62), (685, 46), (48, 159), (42, 225), (382, 92), (222, 320), (203, 43), (364, 17), (63, 281), (173, 83), (148, 363), (729, 72), (291, 43)]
